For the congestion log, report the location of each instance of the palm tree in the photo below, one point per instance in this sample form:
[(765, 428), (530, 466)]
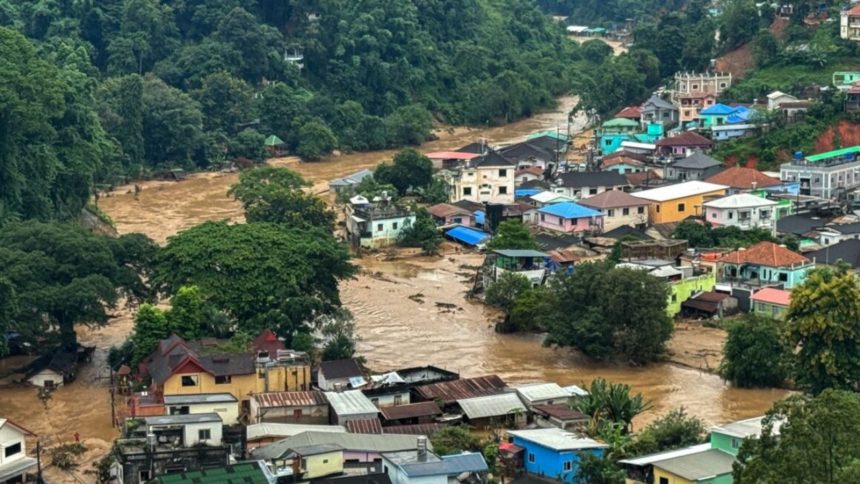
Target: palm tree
[(610, 403)]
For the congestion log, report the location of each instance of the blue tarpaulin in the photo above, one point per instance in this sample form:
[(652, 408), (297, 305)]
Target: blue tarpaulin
[(468, 236), (526, 192), (479, 218)]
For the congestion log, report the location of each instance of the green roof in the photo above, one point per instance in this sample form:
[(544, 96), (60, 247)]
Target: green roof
[(551, 133), (242, 473), (621, 122), (274, 141), (834, 153)]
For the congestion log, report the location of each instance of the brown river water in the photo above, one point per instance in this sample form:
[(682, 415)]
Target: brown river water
[(394, 330)]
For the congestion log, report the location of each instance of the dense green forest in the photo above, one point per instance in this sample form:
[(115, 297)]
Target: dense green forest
[(94, 91)]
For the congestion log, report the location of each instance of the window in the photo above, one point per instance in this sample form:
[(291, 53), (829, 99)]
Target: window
[(674, 298), (592, 191), (625, 211), (608, 142), (722, 85), (189, 380), (664, 480), (682, 207), (398, 399), (204, 434), (657, 209), (731, 215), (542, 218), (713, 214), (783, 277), (467, 191), (325, 461), (184, 410), (736, 444), (144, 476), (297, 413), (223, 380), (531, 458), (503, 173), (394, 226), (12, 449), (503, 190), (568, 466), (379, 227), (610, 212), (641, 210)]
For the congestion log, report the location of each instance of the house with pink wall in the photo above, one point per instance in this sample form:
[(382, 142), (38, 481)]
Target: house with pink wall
[(569, 217)]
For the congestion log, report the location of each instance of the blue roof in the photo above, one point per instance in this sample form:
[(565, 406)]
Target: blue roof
[(719, 110), (569, 210), (467, 235), (741, 116), (479, 217), (526, 192)]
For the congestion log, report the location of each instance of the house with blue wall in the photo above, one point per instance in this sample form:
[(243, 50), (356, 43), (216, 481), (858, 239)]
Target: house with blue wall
[(554, 453), (616, 131)]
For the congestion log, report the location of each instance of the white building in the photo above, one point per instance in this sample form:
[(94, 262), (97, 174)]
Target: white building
[(224, 404), (743, 210), (202, 428), (619, 209), (374, 226), (490, 178), (14, 462), (849, 24)]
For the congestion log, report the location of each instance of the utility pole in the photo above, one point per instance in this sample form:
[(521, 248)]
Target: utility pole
[(39, 479)]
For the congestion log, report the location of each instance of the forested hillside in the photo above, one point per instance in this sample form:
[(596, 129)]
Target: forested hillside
[(95, 90)]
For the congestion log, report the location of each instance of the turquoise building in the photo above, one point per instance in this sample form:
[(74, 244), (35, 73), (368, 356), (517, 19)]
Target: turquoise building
[(616, 131), (764, 264)]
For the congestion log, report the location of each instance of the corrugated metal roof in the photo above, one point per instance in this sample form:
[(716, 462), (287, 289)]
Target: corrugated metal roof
[(316, 449), (750, 427), (491, 406), (533, 392), (671, 454), (182, 419), (351, 402), (349, 442), (413, 410), (680, 190), (451, 391), (280, 430), (449, 465), (704, 465), (199, 398), (364, 426), (557, 439), (290, 399), (417, 429), (468, 235)]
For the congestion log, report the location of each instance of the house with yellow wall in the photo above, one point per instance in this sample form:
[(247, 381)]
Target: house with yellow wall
[(674, 203), (179, 367)]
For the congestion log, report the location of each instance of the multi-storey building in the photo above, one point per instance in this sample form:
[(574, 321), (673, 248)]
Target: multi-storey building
[(824, 175), (696, 91)]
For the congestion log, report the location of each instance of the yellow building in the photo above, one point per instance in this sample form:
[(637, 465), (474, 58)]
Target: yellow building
[(675, 203), (178, 367)]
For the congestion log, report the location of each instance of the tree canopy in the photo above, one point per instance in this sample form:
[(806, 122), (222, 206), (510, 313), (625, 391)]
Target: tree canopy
[(261, 275), (512, 234), (60, 275), (755, 353), (277, 195)]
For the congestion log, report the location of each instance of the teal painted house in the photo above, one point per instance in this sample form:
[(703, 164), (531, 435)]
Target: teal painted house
[(554, 453), (616, 131), (764, 264)]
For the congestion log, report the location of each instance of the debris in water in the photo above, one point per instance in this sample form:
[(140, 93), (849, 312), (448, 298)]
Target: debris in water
[(418, 297)]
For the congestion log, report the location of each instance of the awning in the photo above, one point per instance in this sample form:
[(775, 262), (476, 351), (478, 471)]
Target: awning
[(526, 192), (467, 235), (479, 217)]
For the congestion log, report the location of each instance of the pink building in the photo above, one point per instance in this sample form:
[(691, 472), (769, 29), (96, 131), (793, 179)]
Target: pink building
[(569, 217)]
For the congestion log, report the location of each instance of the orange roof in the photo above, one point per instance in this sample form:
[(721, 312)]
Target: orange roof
[(855, 10), (451, 155), (621, 159), (534, 170), (773, 295), (630, 112), (766, 254), (743, 178)]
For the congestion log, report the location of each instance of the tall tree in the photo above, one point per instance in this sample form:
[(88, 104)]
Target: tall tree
[(277, 195), (805, 439), (824, 325), (512, 234), (410, 170), (64, 275), (755, 353), (262, 275)]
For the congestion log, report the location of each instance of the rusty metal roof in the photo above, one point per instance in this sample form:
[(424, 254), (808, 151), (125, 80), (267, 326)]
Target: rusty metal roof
[(451, 391), (364, 426), (413, 410), (418, 429), (290, 399)]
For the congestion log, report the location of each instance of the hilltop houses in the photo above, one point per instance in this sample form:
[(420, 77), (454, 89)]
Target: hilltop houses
[(694, 92)]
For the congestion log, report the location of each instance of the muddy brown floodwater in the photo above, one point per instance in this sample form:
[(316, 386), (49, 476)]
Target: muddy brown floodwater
[(395, 330)]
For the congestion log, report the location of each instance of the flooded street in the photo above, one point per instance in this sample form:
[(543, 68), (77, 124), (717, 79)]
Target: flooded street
[(395, 330), (164, 208), (399, 331)]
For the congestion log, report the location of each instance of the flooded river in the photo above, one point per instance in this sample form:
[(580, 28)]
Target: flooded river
[(395, 331)]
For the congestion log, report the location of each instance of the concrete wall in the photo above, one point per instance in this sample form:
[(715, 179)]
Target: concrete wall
[(46, 375), (241, 386), (615, 217), (10, 436), (669, 211), (322, 464), (228, 411), (552, 222), (317, 414), (485, 184), (384, 233), (682, 290)]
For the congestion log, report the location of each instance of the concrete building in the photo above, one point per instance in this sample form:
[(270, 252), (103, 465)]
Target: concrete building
[(619, 209), (487, 178), (744, 211), (223, 404), (581, 184), (695, 91), (569, 217), (554, 453), (824, 175), (674, 203), (659, 110), (849, 23), (376, 225), (697, 166)]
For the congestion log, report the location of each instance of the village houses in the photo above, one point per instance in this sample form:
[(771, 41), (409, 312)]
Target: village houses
[(487, 178), (674, 203)]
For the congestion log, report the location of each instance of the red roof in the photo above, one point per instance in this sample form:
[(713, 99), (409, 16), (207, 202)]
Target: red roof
[(639, 178), (687, 138), (451, 155), (766, 254), (617, 160), (613, 199), (364, 426), (451, 391), (630, 112), (268, 341), (626, 154), (743, 178), (855, 10), (773, 295)]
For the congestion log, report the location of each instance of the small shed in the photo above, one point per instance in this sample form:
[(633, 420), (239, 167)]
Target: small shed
[(503, 409), (53, 371), (542, 393), (350, 405)]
